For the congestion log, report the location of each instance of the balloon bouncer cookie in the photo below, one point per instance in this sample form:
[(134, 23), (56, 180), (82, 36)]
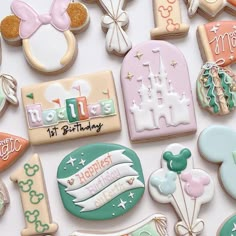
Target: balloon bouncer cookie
[(47, 39), (100, 181), (157, 92), (185, 187)]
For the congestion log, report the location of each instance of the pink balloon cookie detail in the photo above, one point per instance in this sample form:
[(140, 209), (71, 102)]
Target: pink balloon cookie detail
[(157, 92), (32, 29), (185, 187)]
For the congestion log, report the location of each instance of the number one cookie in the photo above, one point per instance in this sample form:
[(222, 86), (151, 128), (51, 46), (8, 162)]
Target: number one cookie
[(34, 199), (168, 20)]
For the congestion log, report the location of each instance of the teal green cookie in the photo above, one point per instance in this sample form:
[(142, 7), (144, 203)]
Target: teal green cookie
[(229, 227), (100, 181)]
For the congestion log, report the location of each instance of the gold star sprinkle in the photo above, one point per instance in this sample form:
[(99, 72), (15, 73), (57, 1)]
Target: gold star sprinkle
[(138, 55), (129, 76), (174, 64)]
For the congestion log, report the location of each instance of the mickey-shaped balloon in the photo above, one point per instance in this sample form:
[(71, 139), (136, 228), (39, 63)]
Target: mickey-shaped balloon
[(47, 39), (186, 188), (217, 145)]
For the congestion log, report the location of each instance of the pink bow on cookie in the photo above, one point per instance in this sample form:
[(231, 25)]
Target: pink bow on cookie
[(31, 20)]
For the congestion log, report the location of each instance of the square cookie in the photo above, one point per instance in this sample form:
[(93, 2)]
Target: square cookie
[(71, 108)]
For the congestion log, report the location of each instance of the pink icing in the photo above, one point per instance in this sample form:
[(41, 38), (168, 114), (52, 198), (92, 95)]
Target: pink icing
[(31, 21), (178, 75)]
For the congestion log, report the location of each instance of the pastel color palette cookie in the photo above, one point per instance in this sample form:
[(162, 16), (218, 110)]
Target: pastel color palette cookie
[(100, 181), (216, 144), (71, 108), (182, 185), (157, 92), (11, 148), (155, 225)]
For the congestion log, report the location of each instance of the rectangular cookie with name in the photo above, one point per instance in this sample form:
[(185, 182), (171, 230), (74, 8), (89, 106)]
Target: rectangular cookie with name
[(71, 108)]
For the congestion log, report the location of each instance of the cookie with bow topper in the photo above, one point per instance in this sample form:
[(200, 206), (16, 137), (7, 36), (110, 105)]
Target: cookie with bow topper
[(216, 84), (185, 187), (114, 23), (100, 181), (157, 92), (155, 225), (31, 28), (11, 148)]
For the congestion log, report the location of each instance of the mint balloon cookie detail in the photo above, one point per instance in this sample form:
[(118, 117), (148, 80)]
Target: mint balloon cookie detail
[(157, 92), (34, 199), (217, 145), (100, 181), (155, 225), (71, 108), (31, 29), (185, 187)]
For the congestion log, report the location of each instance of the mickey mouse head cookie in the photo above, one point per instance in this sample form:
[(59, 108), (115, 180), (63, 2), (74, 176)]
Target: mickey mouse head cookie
[(185, 187), (217, 145), (47, 39)]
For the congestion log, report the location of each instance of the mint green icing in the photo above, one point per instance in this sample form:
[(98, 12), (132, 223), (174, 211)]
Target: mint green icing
[(147, 230), (229, 227), (78, 160)]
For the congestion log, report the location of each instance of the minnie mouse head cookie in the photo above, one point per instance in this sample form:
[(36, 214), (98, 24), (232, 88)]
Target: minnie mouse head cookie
[(184, 186), (47, 39)]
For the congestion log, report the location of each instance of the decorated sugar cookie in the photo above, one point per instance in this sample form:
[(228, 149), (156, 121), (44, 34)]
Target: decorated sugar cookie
[(210, 8), (114, 22), (154, 225), (4, 197), (216, 85), (8, 87), (30, 180), (228, 227), (71, 108), (185, 187), (100, 181), (157, 92), (56, 27), (168, 20), (11, 148), (216, 144)]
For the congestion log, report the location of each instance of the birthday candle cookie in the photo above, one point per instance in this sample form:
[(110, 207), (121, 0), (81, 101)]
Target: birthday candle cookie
[(57, 28), (216, 144), (8, 87), (168, 20), (157, 92), (114, 22), (71, 108), (30, 180), (210, 8), (11, 148), (185, 187), (100, 181), (4, 197), (216, 84), (154, 225)]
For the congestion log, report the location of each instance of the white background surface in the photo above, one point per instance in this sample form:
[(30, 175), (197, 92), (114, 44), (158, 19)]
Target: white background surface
[(93, 57)]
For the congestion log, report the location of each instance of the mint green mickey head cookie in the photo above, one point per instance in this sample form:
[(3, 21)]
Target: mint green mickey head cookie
[(100, 181)]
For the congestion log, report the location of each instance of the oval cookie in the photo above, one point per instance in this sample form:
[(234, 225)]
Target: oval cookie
[(157, 92), (100, 181)]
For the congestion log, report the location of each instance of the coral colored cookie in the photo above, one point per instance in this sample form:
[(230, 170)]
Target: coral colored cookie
[(157, 92), (185, 187), (11, 148), (217, 145), (216, 85), (168, 20), (71, 108), (100, 181), (8, 86), (210, 8), (228, 227), (34, 199), (4, 197), (114, 22), (154, 225), (55, 27)]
